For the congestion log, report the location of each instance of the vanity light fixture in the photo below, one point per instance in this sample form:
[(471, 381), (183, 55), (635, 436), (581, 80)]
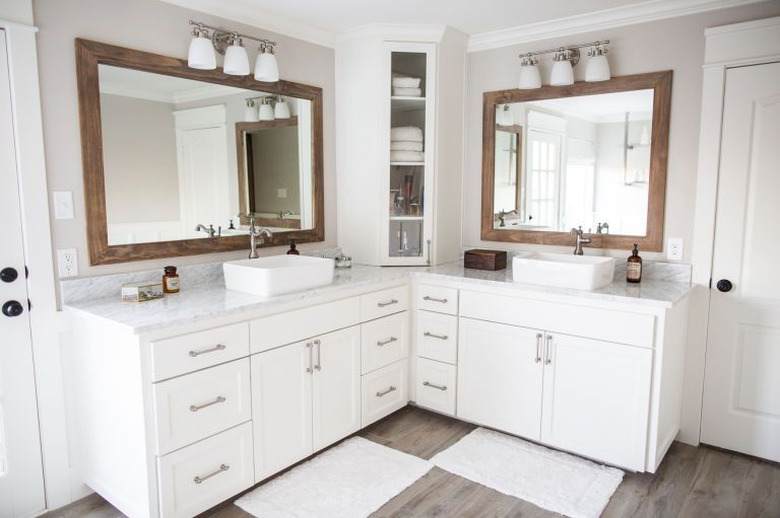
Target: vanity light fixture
[(281, 109), (564, 59), (231, 45), (266, 112), (250, 112)]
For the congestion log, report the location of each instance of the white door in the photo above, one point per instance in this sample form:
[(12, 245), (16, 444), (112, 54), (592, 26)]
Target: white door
[(742, 378), (596, 399), (281, 407), (21, 471), (336, 389), (500, 377)]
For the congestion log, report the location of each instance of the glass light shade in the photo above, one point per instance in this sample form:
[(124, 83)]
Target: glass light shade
[(504, 116), (281, 110), (529, 77), (236, 60), (597, 69), (266, 112), (201, 55), (250, 113), (562, 73), (266, 67)]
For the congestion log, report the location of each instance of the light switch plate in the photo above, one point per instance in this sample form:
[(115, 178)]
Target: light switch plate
[(674, 249), (281, 193), (67, 262), (63, 204)]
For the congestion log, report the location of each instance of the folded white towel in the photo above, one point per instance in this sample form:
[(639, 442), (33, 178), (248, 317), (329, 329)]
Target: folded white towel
[(401, 145), (401, 81), (407, 92), (407, 156), (406, 134)]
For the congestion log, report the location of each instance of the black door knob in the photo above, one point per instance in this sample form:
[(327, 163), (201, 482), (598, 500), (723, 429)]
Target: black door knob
[(12, 308), (8, 274), (724, 285)]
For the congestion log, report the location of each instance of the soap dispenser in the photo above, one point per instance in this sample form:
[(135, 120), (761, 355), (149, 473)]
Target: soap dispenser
[(293, 250), (634, 266)]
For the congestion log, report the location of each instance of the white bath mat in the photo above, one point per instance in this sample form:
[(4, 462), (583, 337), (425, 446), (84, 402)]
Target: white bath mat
[(553, 480), (353, 479)]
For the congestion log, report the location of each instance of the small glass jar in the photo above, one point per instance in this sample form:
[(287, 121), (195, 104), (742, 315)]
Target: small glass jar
[(170, 280)]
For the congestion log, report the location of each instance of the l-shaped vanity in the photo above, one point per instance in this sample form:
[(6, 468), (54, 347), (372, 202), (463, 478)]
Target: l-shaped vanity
[(186, 401)]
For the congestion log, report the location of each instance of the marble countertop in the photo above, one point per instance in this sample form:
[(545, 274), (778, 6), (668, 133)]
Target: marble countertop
[(210, 299)]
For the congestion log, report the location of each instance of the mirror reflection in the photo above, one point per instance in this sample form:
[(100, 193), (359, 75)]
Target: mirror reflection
[(574, 161), (181, 161)]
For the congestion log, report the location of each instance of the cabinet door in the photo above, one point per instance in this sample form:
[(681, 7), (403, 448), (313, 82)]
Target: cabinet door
[(596, 399), (500, 377), (336, 388), (281, 407)]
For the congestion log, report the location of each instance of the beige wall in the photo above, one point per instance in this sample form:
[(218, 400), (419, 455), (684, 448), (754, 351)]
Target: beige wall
[(151, 26), (676, 44), (275, 159)]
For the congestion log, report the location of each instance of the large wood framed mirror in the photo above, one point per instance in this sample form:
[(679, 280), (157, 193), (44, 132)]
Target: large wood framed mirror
[(167, 168), (590, 155)]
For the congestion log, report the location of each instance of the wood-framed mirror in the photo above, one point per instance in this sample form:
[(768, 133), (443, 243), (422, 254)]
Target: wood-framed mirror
[(164, 157), (590, 155)]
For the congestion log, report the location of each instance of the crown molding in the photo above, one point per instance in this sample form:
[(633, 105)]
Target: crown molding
[(241, 11), (395, 31), (600, 20)]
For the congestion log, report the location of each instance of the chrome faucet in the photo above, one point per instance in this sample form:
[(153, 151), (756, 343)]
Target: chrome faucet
[(602, 228), (582, 239), (281, 214), (210, 230), (255, 234)]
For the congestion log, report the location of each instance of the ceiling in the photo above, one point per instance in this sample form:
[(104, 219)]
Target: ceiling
[(486, 22)]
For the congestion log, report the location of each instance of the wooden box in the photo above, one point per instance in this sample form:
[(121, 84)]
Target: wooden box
[(485, 259)]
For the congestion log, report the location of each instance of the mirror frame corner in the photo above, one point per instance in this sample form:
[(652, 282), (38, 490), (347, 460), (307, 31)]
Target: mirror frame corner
[(652, 241)]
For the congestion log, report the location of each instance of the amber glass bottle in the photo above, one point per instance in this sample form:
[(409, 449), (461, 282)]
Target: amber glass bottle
[(170, 280), (634, 266)]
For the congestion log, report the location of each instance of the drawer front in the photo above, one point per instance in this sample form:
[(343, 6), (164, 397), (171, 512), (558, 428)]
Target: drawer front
[(384, 392), (436, 298), (195, 406), (294, 326), (382, 303), (437, 337), (206, 473), (436, 386), (384, 341), (601, 324), (187, 353)]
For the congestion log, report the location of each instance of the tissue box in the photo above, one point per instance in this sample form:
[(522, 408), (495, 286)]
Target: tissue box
[(142, 291), (485, 259)]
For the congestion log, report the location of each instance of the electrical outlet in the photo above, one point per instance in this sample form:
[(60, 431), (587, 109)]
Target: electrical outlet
[(63, 204), (67, 262), (674, 249)]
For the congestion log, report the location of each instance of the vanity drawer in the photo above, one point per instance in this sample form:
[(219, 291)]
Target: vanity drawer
[(186, 353), (589, 322), (384, 391), (191, 407), (206, 473), (384, 341), (436, 386), (437, 336), (437, 298), (294, 326), (383, 303)]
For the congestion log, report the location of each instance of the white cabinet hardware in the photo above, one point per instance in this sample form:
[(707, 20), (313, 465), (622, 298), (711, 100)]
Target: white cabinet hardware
[(432, 385), (382, 343), (432, 335), (218, 347), (385, 392), (318, 366), (548, 350), (385, 304), (434, 299), (309, 368), (539, 337), (222, 468), (195, 408)]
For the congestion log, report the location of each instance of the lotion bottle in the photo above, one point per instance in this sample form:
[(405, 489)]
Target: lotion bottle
[(634, 266)]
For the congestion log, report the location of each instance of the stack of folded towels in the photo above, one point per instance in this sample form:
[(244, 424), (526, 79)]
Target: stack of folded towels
[(406, 144), (404, 86)]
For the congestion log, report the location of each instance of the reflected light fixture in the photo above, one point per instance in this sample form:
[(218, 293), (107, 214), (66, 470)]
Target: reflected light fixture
[(266, 112), (281, 109), (529, 73), (598, 66), (564, 60), (230, 44), (250, 112)]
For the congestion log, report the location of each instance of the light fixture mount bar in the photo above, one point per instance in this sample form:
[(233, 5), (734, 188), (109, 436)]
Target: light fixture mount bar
[(221, 34), (558, 49)]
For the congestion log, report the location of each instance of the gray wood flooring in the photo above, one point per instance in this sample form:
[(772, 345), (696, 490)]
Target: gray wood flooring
[(691, 482)]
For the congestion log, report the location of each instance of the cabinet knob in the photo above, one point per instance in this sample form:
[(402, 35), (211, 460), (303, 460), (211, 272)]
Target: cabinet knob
[(724, 285), (12, 308)]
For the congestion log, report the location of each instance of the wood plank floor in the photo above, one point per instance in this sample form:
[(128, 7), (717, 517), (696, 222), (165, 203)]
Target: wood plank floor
[(691, 482)]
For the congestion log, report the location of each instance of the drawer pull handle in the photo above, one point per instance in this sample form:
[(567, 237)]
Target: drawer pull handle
[(319, 355), (431, 335), (386, 392), (548, 352), (391, 340), (383, 304), (218, 347), (222, 469), (434, 299), (538, 348), (195, 408), (440, 387), (309, 369)]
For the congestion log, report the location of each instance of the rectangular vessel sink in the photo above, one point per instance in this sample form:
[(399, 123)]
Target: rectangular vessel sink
[(580, 272), (279, 274)]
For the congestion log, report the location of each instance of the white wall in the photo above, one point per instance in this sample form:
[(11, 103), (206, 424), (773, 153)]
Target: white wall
[(675, 44), (151, 26)]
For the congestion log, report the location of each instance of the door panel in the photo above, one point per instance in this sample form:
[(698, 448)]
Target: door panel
[(741, 408)]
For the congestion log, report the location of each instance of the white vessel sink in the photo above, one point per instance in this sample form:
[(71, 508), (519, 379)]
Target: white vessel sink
[(580, 272), (275, 275)]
